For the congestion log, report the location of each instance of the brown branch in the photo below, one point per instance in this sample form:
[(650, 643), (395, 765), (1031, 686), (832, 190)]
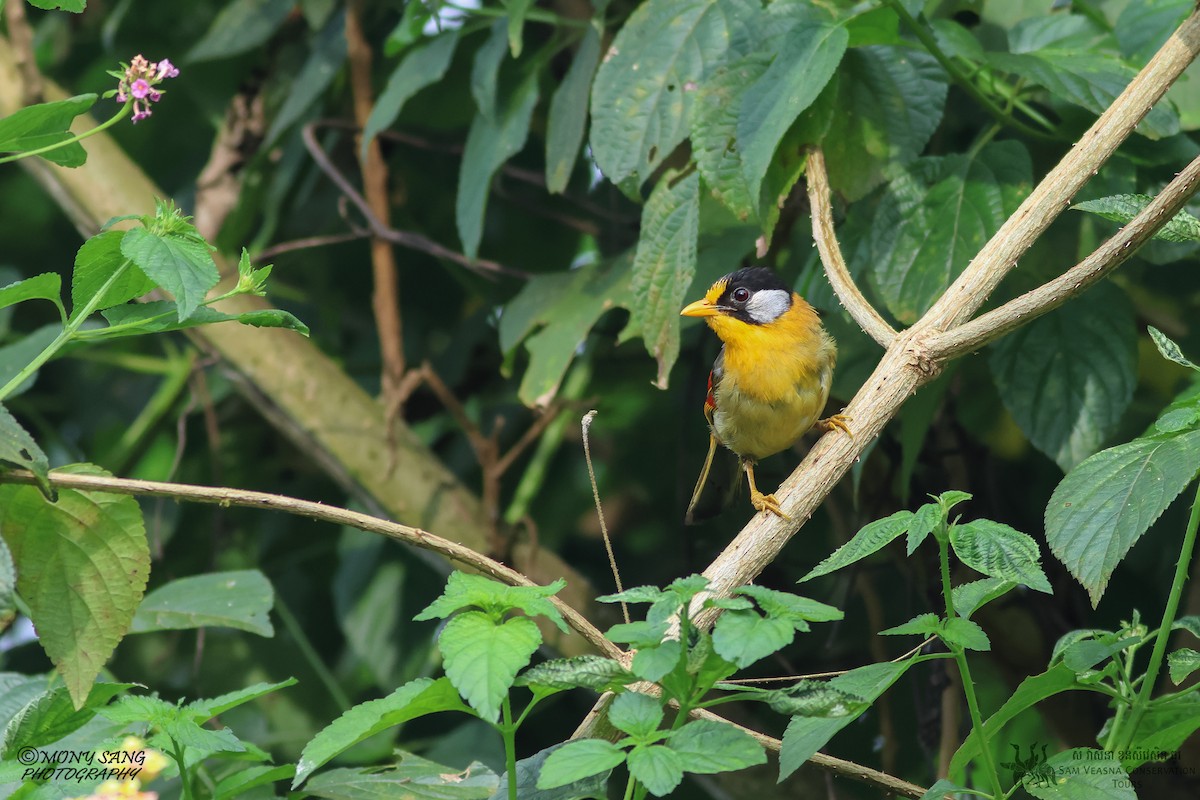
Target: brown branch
[(1113, 253), (831, 253), (21, 37), (308, 242)]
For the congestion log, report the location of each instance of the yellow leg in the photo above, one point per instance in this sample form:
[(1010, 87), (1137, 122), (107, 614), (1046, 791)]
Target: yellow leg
[(760, 501), (838, 422)]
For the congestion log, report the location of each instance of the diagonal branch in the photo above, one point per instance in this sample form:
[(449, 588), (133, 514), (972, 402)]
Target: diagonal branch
[(843, 283)]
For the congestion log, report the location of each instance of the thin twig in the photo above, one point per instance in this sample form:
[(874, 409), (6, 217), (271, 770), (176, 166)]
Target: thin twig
[(586, 423), (843, 284), (224, 497), (307, 243), (833, 674)]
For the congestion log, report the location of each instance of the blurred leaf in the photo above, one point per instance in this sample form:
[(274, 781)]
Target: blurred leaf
[(413, 699), (814, 700), (567, 119), (490, 143), (516, 23), (82, 565), (182, 265), (16, 356), (706, 747), (160, 316), (243, 780), (74, 6), (1122, 208), (1000, 551), (423, 66), (889, 102), (577, 760), (592, 672), (485, 70), (873, 537), (657, 767), (1163, 731), (482, 657), (19, 450), (44, 124), (411, 27), (1068, 376), (241, 26), (8, 583), (205, 709), (530, 770), (97, 261), (1060, 777), (240, 600), (413, 778), (52, 716), (664, 265), (326, 55), (1169, 349), (1142, 28), (1104, 505)]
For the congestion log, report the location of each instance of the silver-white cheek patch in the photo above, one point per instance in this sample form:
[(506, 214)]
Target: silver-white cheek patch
[(767, 305)]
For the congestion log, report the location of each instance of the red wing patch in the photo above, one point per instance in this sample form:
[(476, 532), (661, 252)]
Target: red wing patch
[(710, 402)]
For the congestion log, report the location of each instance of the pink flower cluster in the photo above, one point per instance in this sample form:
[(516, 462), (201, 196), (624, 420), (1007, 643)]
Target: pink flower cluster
[(139, 81)]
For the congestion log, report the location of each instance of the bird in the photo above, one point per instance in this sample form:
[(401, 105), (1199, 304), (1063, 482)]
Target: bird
[(770, 381)]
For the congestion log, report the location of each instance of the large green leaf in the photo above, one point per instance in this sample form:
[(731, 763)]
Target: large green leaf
[(1080, 774), (44, 124), (706, 746), (567, 119), (241, 26), (529, 776), (47, 286), (240, 599), (1106, 503), (664, 265), (873, 537), (490, 142), (889, 102), (1068, 376), (181, 264), (577, 760), (935, 216), (644, 88), (421, 67), (1163, 730), (999, 551), (482, 658), (96, 262), (82, 565), (657, 767), (485, 70)]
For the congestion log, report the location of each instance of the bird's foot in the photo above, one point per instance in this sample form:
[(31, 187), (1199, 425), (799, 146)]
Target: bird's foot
[(766, 502), (836, 422)]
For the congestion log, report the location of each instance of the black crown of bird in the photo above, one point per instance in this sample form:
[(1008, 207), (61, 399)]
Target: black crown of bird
[(770, 381)]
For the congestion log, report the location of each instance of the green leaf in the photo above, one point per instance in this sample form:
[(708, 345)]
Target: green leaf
[(645, 84), (970, 597), (96, 262), (657, 767), (482, 658), (241, 26), (814, 699), (516, 23), (592, 672), (413, 778), (327, 54), (414, 699), (652, 663), (637, 714), (8, 589), (664, 266), (889, 102), (485, 70), (52, 715), (182, 265), (965, 634), (745, 637), (476, 591), (74, 6), (1084, 655), (1000, 551), (82, 565), (805, 63), (935, 216), (1169, 349), (577, 760), (707, 747), (44, 124), (924, 521), (241, 599), (567, 118), (944, 787), (1069, 399), (1080, 774), (490, 142), (207, 708), (159, 316), (1182, 662), (202, 742), (562, 307), (47, 286), (529, 771), (791, 607), (1122, 208), (243, 780), (806, 735), (923, 625), (1190, 623), (1104, 505), (18, 449), (423, 66), (873, 537), (1163, 730)]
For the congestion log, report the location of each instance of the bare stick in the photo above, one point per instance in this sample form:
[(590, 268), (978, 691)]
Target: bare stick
[(847, 291), (612, 559)]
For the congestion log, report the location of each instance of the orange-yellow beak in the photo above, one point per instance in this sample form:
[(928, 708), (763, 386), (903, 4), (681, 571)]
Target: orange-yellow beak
[(700, 308)]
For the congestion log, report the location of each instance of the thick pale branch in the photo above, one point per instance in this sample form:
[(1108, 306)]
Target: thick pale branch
[(831, 253), (1078, 279), (318, 511)]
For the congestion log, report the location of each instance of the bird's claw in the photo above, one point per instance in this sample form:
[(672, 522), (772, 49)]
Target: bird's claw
[(767, 502), (836, 422)]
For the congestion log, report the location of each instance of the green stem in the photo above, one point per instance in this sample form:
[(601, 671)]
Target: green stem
[(508, 731), (629, 784), (120, 115), (68, 331), (960, 657), (310, 654), (114, 331), (185, 779), (1122, 739)]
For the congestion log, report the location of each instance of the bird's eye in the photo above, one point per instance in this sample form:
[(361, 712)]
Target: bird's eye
[(741, 295)]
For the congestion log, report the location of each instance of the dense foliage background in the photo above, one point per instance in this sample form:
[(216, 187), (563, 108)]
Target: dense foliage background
[(481, 125)]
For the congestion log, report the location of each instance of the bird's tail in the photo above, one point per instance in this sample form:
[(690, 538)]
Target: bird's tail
[(718, 481)]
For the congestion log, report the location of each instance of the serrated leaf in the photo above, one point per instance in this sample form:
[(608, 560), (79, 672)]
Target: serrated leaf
[(936, 215), (970, 597), (1163, 731), (567, 118), (1122, 208), (1169, 349), (638, 715), (873, 537), (653, 663), (925, 624), (47, 286), (636, 594), (242, 25), (1104, 505), (82, 565), (664, 266), (577, 760), (326, 55), (657, 767), (706, 747), (482, 658), (414, 777), (790, 607), (814, 699), (1062, 778), (44, 124), (490, 142), (205, 709), (806, 61), (745, 637), (476, 591), (889, 102), (645, 84), (592, 672), (414, 699), (529, 772), (96, 262), (925, 520), (1000, 551), (182, 265), (52, 715), (423, 66), (241, 599), (243, 780), (1182, 662), (964, 633), (18, 449)]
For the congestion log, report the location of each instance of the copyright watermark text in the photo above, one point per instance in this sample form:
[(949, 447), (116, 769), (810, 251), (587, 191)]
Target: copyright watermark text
[(80, 766)]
